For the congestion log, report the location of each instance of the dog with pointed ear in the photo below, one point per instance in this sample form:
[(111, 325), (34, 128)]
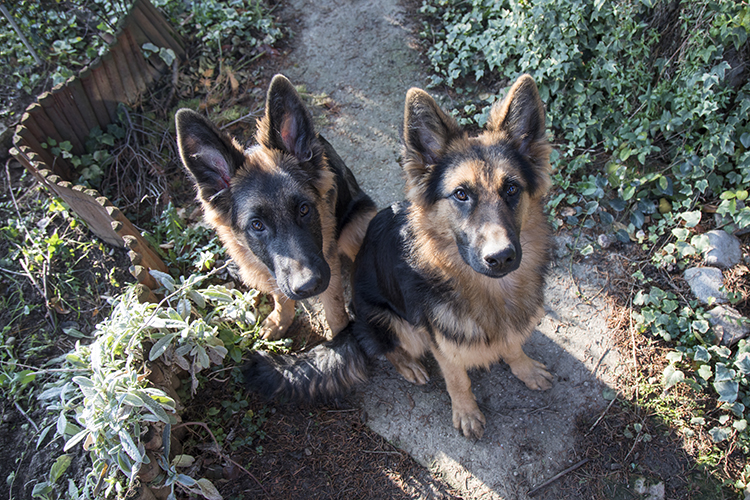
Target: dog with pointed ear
[(457, 270), (286, 209)]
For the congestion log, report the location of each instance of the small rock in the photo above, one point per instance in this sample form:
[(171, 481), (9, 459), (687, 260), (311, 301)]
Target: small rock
[(705, 282), (214, 471), (728, 325), (650, 492), (562, 245), (725, 250), (605, 240), (568, 212)]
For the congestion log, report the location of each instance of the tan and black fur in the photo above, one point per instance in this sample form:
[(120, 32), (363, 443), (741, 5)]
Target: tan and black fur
[(457, 270), (286, 209)]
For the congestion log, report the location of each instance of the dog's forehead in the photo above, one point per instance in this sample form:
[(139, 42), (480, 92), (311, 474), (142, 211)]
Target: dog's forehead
[(489, 166), (266, 194)]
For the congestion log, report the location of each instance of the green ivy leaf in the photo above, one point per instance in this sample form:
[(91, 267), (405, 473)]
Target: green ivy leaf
[(672, 376), (719, 434), (743, 363), (724, 373), (702, 355), (704, 372), (727, 390), (691, 218)]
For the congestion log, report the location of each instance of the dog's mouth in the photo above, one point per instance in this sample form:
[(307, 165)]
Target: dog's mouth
[(494, 273)]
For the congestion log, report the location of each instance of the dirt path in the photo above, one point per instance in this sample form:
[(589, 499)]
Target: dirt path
[(360, 54)]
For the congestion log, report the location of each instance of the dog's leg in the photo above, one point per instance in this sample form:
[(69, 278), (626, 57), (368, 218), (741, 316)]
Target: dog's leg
[(467, 417), (276, 324), (531, 372), (333, 298), (409, 367)]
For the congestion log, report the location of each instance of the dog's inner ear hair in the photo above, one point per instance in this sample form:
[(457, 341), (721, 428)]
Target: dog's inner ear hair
[(428, 128), (288, 124), (295, 139), (209, 156)]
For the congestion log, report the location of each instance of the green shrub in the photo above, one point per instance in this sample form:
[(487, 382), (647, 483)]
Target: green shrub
[(649, 106), (654, 95)]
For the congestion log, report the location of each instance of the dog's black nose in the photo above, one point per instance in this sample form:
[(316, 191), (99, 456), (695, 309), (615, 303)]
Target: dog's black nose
[(503, 258), (308, 288)]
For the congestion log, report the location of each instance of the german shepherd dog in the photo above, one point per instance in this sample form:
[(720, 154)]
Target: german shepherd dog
[(457, 270), (285, 209)]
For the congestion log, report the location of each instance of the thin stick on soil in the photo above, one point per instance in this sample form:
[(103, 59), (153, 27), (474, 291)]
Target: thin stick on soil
[(375, 452), (33, 424), (534, 491), (222, 455), (603, 413)]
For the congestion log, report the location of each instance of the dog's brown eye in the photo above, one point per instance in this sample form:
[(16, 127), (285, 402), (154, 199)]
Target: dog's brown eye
[(460, 195), (512, 190), (304, 209), (257, 225)]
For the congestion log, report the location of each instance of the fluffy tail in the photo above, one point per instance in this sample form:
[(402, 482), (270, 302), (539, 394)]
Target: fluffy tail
[(324, 373)]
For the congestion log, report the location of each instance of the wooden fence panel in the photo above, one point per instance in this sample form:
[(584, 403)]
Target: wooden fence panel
[(69, 112)]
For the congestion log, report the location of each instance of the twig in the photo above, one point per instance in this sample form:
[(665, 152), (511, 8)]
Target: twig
[(602, 415), (42, 372), (146, 324), (2, 269), (33, 424), (637, 440), (241, 118), (383, 452), (222, 455), (534, 491), (20, 34)]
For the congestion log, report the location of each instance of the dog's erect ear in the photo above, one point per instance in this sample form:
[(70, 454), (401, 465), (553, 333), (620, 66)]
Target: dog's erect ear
[(427, 128), (209, 154), (520, 115), (287, 124), (519, 118)]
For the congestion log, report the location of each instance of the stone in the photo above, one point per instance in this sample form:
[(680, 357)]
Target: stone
[(724, 250), (649, 491), (706, 282), (561, 245), (605, 240), (728, 325)]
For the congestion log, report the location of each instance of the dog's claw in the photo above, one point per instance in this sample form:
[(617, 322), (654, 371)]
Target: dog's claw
[(471, 423), (409, 368), (532, 373)]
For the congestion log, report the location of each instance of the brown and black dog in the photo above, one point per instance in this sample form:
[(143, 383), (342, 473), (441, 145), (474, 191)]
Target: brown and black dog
[(286, 209), (457, 270)]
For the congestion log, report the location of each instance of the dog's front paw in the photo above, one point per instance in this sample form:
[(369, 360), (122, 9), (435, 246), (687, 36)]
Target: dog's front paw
[(271, 330), (281, 318), (275, 325), (409, 368), (470, 421), (414, 372), (533, 373)]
